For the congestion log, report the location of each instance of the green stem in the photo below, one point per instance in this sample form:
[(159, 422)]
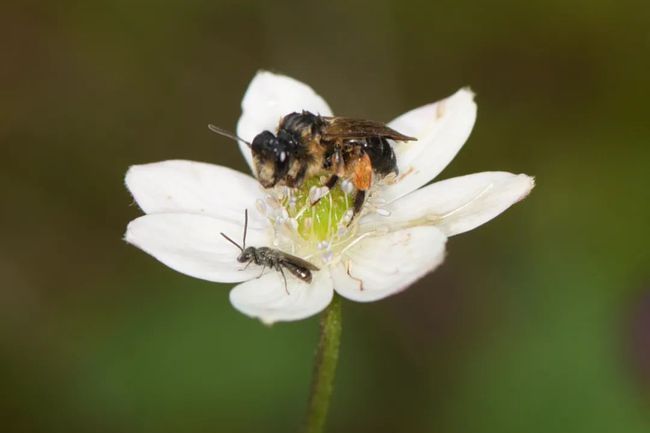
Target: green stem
[(325, 367)]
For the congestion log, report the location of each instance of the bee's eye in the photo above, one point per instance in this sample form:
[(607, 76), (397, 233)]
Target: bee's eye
[(265, 144)]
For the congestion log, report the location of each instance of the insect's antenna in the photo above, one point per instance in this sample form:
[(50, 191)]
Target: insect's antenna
[(245, 225), (227, 134), (232, 242)]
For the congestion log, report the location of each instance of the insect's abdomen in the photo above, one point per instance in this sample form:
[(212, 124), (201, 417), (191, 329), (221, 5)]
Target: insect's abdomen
[(298, 271), (381, 155)]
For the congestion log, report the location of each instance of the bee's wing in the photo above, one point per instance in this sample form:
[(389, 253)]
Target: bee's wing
[(348, 128), (298, 261)]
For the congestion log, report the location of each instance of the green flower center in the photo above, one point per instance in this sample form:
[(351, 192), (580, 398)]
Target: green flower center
[(324, 221)]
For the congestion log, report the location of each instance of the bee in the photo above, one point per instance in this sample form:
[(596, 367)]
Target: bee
[(272, 258), (307, 145)]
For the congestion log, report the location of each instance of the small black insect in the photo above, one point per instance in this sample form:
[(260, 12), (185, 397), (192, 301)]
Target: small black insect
[(272, 258)]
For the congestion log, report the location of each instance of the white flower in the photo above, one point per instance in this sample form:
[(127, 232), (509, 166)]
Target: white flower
[(399, 237)]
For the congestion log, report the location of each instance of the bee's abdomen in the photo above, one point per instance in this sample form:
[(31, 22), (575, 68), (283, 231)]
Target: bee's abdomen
[(381, 155)]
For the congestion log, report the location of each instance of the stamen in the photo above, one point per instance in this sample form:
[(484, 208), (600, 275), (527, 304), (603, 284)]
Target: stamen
[(347, 216), (313, 194), (327, 257), (273, 202), (261, 207), (347, 186)]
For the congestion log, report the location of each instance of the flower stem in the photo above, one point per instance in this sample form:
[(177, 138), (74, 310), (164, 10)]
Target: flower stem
[(327, 357)]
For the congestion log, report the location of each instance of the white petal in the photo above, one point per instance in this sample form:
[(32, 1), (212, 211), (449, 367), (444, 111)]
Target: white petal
[(191, 244), (194, 187), (270, 97), (456, 205), (441, 129), (267, 299), (387, 264)]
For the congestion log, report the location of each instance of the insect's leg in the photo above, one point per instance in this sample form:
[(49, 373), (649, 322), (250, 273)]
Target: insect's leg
[(285, 279), (362, 180), (247, 265), (300, 176), (359, 198), (261, 273), (331, 182)]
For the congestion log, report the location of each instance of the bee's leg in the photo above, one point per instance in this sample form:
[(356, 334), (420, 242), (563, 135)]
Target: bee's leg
[(285, 279), (247, 265), (362, 180), (300, 176), (359, 198), (331, 182)]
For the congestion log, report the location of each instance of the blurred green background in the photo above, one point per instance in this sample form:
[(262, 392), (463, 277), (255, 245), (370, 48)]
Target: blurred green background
[(537, 322)]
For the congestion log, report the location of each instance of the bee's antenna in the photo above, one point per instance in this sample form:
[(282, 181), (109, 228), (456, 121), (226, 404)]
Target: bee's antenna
[(245, 225), (228, 134), (232, 242)]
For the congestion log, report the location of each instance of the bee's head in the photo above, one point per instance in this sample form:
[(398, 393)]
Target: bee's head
[(272, 157), (246, 255)]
